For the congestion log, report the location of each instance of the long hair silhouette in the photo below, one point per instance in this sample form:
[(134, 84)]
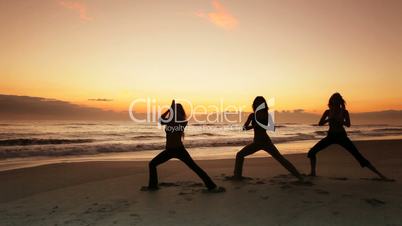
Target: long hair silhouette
[(180, 116), (336, 102), (260, 109), (180, 113)]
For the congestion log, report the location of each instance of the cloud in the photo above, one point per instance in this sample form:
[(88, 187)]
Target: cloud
[(78, 7), (101, 99), (221, 17), (35, 108)]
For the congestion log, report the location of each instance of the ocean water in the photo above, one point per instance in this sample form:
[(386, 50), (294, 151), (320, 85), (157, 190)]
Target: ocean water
[(77, 138)]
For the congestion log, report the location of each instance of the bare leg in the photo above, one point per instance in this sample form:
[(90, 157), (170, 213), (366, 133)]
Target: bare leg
[(247, 150)]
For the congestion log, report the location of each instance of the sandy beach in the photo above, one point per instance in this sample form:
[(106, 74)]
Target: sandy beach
[(108, 193)]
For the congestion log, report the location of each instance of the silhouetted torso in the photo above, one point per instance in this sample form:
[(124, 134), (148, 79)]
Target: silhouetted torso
[(174, 133), (260, 133), (336, 119)]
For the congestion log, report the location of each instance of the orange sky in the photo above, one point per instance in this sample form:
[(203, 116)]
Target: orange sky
[(297, 52)]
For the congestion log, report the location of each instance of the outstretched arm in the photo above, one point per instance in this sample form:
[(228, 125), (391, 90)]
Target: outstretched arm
[(346, 121), (324, 118), (248, 125)]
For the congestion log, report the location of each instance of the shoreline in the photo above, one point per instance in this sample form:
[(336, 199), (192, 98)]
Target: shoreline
[(204, 153)]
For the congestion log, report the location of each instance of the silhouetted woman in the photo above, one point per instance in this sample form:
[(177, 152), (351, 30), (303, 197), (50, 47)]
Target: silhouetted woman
[(337, 117), (258, 120), (175, 121)]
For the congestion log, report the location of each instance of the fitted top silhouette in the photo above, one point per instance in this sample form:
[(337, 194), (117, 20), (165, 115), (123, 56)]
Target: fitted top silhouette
[(336, 119), (257, 121), (174, 133)]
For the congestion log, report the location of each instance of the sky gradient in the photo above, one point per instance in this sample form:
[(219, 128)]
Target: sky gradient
[(105, 53)]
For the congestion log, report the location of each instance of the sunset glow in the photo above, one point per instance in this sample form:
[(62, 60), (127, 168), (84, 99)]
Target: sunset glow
[(298, 52)]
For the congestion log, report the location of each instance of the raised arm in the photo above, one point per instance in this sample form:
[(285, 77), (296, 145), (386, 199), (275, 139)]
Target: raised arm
[(324, 118), (163, 119), (248, 125), (346, 120)]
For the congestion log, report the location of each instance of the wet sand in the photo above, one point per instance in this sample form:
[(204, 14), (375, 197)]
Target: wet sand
[(108, 192)]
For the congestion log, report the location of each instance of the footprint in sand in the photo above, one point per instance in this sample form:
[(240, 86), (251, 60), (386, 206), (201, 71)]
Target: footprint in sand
[(168, 184), (338, 178), (378, 179), (374, 202), (233, 178), (282, 176), (53, 210), (259, 182), (136, 218), (134, 215), (252, 191), (215, 190), (285, 186), (98, 211), (190, 184), (272, 181), (302, 183), (172, 212), (185, 193), (196, 185), (321, 192), (264, 197)]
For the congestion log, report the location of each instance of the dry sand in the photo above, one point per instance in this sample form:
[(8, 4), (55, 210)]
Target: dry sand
[(108, 193)]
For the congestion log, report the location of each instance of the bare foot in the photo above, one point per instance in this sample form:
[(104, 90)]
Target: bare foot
[(237, 178), (386, 179), (216, 190)]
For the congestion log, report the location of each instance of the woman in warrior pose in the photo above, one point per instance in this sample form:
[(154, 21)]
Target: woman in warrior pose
[(337, 117), (175, 121), (258, 120)]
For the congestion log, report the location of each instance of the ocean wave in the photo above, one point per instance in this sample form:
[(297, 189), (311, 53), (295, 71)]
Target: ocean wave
[(280, 126), (373, 125), (320, 133), (34, 141), (78, 124), (209, 124), (77, 148), (204, 135), (388, 130), (147, 137)]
